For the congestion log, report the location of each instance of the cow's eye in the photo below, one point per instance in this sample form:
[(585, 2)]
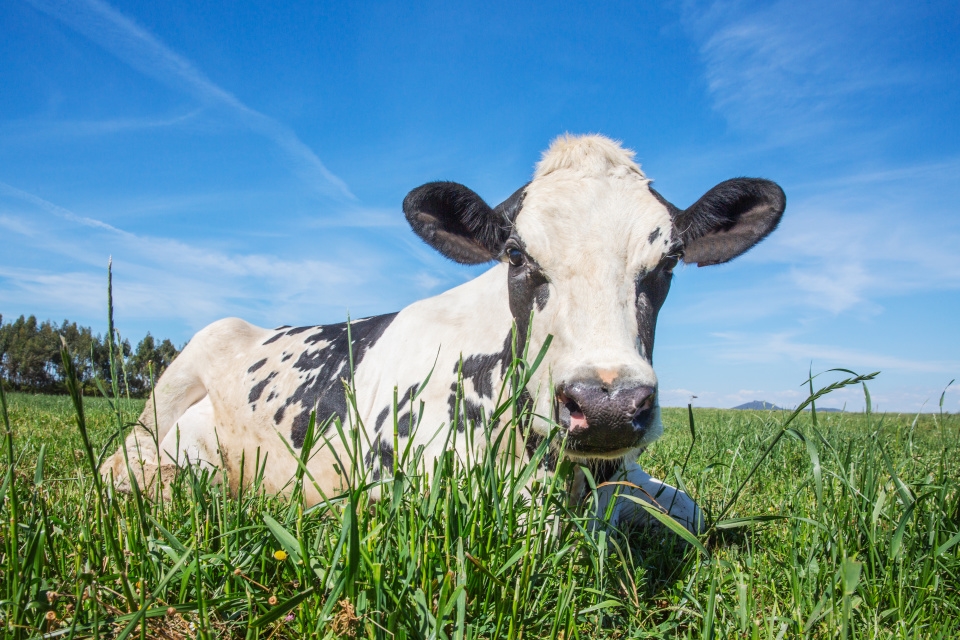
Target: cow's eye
[(515, 256), (669, 263)]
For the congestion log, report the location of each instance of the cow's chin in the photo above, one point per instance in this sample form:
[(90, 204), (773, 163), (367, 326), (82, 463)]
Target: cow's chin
[(585, 456), (581, 442)]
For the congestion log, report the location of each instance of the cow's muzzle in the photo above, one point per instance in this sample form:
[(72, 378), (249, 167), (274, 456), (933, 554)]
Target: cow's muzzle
[(603, 419)]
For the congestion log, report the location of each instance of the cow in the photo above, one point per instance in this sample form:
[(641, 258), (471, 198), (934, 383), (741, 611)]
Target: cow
[(583, 254)]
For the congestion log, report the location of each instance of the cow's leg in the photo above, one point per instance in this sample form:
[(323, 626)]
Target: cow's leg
[(179, 388), (676, 502), (193, 441)]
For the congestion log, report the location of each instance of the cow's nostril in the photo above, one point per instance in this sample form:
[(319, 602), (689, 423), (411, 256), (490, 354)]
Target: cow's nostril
[(643, 411), (574, 409)]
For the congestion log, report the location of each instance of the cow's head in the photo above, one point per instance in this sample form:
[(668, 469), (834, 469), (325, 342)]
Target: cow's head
[(590, 248)]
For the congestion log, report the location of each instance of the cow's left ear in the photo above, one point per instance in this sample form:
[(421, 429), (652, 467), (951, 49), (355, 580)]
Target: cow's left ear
[(729, 219), (456, 222)]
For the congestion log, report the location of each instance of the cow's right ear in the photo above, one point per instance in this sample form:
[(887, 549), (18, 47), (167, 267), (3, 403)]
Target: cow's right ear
[(456, 222), (729, 219)]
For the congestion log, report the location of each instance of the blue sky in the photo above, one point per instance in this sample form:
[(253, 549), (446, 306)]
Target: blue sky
[(250, 159)]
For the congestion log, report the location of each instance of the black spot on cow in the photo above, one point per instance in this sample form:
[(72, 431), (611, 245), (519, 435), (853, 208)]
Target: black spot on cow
[(479, 369), (300, 330), (271, 396), (315, 338), (543, 295), (282, 327), (256, 365), (407, 419), (651, 291), (274, 338), (310, 360), (380, 419), (323, 369), (379, 457), (653, 235), (527, 286), (257, 390), (464, 412), (286, 357)]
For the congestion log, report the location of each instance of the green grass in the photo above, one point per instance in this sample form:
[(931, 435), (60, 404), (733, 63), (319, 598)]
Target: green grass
[(846, 528)]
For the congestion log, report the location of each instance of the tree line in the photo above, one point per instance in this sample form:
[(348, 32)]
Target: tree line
[(30, 358)]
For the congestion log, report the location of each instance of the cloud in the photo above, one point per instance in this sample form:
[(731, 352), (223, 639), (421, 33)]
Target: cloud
[(55, 266), (793, 69), (848, 244), (139, 49), (160, 278), (78, 291), (359, 218), (17, 226), (36, 129), (766, 348)]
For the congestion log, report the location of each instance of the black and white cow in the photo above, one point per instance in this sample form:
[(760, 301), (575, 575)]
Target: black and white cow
[(587, 246)]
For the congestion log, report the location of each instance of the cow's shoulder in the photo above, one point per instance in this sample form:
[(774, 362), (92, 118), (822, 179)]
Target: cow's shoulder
[(228, 331), (220, 346)]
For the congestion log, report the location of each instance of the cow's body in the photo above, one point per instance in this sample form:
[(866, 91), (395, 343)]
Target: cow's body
[(586, 248)]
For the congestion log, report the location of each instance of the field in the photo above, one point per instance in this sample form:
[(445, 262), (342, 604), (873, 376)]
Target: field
[(823, 526)]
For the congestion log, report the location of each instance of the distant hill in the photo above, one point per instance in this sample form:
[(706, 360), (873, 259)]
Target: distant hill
[(763, 405), (759, 405)]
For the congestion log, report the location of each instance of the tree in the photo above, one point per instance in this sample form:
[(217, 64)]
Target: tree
[(30, 357)]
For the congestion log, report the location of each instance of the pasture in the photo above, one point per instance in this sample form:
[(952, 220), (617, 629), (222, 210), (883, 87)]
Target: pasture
[(846, 527)]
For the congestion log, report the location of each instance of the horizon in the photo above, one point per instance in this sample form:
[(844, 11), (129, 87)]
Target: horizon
[(251, 160)]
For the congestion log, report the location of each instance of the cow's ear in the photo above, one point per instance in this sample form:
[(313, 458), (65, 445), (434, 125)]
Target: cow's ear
[(729, 219), (456, 222)]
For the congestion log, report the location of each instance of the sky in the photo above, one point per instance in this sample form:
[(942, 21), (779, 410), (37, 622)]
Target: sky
[(250, 159)]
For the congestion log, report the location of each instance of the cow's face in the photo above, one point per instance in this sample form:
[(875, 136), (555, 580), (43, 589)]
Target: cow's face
[(589, 250)]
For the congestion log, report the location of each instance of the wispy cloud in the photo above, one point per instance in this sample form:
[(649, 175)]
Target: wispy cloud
[(774, 347), (141, 50), (848, 244), (34, 129), (161, 279), (790, 68), (61, 212), (55, 262)]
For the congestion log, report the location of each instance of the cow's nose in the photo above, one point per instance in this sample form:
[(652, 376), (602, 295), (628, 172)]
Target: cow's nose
[(601, 407)]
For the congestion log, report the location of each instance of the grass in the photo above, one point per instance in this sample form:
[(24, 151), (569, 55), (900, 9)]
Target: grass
[(845, 526)]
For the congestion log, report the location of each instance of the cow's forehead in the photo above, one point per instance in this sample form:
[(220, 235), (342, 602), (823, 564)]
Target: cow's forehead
[(589, 200)]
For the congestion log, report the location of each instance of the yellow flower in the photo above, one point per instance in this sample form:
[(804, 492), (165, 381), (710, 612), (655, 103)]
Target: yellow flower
[(280, 555)]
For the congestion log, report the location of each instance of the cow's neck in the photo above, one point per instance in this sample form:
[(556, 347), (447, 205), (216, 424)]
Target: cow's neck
[(476, 313)]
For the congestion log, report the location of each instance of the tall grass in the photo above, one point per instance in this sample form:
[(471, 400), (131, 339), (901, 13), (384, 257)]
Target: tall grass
[(822, 525)]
